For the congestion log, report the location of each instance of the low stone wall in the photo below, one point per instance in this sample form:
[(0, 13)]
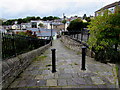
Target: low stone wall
[(12, 67), (75, 45)]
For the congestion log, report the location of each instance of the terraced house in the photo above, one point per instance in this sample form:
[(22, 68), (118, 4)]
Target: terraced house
[(111, 7)]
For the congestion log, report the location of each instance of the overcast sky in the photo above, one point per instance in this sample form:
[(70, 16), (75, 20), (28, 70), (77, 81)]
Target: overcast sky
[(11, 9)]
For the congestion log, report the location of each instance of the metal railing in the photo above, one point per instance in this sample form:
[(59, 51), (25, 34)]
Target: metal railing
[(81, 35), (14, 44)]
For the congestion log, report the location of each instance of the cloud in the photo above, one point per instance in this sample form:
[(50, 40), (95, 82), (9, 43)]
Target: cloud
[(23, 8)]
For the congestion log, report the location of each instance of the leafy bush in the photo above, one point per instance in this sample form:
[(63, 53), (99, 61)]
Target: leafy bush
[(104, 34), (75, 26)]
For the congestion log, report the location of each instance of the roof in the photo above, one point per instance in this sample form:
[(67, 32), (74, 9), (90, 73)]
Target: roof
[(109, 6)]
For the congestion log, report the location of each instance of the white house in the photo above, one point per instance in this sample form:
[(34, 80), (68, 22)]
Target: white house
[(28, 25), (16, 26), (47, 24), (35, 23)]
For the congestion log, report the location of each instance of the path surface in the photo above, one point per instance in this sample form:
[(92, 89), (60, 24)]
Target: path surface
[(69, 73)]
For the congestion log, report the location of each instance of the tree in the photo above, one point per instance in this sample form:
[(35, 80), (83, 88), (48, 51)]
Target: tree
[(41, 25), (50, 18), (20, 20), (38, 18), (44, 18), (8, 22), (104, 34), (75, 25), (56, 17), (64, 22), (84, 16), (88, 19)]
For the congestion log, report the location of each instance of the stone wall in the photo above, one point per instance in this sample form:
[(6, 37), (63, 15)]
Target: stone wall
[(75, 45), (12, 67)]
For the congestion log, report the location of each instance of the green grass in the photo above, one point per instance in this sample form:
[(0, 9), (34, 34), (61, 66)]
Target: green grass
[(48, 68), (117, 69), (75, 63), (39, 58), (48, 65), (78, 53)]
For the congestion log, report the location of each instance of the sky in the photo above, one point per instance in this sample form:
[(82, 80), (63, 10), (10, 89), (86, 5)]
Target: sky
[(13, 9)]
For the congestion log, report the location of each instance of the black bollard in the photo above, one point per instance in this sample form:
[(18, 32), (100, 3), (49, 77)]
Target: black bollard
[(53, 61), (83, 57), (51, 40)]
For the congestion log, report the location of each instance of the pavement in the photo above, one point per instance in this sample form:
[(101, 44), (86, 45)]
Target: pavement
[(68, 72)]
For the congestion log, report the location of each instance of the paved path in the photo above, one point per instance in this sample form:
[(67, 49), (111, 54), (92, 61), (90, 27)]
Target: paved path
[(69, 73)]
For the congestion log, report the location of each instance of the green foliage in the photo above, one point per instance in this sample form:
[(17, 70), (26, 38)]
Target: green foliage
[(28, 19), (84, 16), (64, 21), (104, 34), (22, 33), (88, 19), (28, 33), (1, 22), (85, 24), (75, 25), (41, 25), (50, 18), (8, 22), (20, 20)]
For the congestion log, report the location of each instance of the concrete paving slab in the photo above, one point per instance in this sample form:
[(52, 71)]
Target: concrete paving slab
[(51, 82), (69, 74)]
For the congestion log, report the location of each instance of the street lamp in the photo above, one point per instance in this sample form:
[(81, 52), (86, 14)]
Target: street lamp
[(51, 32)]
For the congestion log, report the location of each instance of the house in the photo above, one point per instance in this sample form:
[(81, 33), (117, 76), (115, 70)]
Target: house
[(35, 23), (28, 25), (47, 24), (56, 24), (25, 25), (110, 7), (16, 26), (7, 27)]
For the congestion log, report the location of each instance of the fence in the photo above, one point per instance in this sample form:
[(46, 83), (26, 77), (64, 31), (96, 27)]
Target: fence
[(82, 35), (13, 44), (110, 54)]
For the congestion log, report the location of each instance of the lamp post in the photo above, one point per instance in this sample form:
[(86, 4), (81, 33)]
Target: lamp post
[(51, 32)]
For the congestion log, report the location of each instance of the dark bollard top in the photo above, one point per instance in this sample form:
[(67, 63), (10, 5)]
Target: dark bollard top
[(83, 47), (53, 49)]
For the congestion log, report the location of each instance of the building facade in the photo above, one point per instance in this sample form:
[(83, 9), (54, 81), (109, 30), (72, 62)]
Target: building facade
[(110, 7), (35, 23)]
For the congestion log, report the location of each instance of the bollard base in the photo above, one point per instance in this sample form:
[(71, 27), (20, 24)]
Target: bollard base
[(83, 69), (54, 71)]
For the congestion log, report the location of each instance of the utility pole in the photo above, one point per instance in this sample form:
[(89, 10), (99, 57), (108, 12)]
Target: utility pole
[(64, 20)]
